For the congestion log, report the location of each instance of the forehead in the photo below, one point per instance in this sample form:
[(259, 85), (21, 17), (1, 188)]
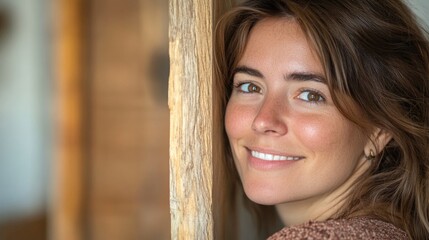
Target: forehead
[(279, 27), (280, 42)]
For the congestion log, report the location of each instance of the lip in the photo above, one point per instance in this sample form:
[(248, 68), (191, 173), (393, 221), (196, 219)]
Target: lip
[(263, 159)]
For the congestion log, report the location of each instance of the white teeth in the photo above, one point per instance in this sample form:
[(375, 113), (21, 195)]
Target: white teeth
[(271, 157)]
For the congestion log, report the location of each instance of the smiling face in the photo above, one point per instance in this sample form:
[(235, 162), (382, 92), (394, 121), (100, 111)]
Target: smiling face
[(291, 146)]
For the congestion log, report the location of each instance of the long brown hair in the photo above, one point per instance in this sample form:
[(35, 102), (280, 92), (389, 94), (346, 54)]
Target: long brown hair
[(376, 59)]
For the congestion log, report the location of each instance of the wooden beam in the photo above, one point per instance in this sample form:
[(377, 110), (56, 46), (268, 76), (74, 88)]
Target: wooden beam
[(65, 216), (190, 102), (198, 210)]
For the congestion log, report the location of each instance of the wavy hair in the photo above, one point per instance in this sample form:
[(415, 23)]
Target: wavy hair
[(375, 57)]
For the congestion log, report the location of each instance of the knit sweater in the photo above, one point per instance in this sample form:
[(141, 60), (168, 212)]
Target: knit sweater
[(354, 228)]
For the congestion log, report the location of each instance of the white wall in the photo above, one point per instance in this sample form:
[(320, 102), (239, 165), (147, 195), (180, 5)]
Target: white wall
[(421, 8), (24, 110)]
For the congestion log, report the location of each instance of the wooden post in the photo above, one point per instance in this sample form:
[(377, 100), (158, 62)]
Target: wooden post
[(190, 102), (195, 126)]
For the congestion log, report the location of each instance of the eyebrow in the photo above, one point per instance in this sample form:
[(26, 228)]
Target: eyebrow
[(305, 76), (296, 76), (247, 70)]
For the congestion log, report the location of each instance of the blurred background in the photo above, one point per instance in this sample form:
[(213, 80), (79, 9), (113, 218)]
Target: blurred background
[(84, 119)]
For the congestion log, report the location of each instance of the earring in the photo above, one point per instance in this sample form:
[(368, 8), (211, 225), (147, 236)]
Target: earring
[(370, 156)]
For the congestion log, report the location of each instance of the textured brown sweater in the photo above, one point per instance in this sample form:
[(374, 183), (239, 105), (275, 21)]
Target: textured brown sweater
[(353, 228)]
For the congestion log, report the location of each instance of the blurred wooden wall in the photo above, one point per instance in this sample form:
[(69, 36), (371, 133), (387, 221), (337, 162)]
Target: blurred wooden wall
[(127, 193), (112, 166)]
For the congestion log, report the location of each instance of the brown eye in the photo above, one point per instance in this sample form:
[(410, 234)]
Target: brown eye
[(249, 88), (311, 96)]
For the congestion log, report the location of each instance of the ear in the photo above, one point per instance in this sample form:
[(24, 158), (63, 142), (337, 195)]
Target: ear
[(377, 141)]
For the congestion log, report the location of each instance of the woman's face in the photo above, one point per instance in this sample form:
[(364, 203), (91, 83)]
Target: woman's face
[(290, 144)]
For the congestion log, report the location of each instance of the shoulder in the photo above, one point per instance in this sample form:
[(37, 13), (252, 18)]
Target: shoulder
[(353, 228)]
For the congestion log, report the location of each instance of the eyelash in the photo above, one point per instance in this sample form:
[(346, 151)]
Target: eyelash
[(238, 86)]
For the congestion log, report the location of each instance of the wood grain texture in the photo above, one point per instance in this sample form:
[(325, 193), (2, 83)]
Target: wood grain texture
[(190, 102)]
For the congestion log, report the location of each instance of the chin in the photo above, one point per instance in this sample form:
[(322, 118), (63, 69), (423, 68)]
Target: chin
[(262, 196)]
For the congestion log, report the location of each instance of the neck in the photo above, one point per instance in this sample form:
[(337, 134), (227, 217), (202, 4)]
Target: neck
[(320, 207), (299, 212)]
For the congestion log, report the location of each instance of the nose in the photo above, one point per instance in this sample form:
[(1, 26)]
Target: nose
[(270, 118)]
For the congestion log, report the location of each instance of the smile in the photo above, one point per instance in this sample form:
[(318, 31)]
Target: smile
[(272, 157)]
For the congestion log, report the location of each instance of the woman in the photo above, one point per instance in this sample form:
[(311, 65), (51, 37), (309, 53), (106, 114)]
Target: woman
[(327, 116)]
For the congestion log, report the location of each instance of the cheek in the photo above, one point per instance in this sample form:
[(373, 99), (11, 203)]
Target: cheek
[(312, 132), (322, 134), (236, 120)]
